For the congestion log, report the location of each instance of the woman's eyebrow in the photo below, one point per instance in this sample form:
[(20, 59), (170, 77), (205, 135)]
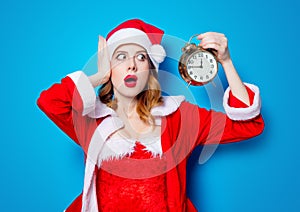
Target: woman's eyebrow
[(120, 51), (141, 51), (125, 52)]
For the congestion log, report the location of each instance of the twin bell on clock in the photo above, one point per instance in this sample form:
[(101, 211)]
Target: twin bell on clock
[(197, 66)]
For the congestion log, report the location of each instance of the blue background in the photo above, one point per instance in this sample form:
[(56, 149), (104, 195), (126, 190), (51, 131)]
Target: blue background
[(42, 41)]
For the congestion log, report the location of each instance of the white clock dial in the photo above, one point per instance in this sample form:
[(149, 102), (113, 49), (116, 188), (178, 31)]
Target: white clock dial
[(201, 66)]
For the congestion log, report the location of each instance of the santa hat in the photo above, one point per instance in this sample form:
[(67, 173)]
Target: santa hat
[(138, 32)]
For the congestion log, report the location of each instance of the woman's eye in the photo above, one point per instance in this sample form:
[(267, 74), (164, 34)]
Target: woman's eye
[(141, 57), (121, 57)]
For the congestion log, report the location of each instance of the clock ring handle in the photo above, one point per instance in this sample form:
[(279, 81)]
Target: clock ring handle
[(190, 45), (213, 51), (191, 38)]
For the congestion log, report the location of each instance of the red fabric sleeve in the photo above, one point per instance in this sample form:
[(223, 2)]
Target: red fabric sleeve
[(63, 105), (235, 102), (216, 127), (76, 205), (201, 126)]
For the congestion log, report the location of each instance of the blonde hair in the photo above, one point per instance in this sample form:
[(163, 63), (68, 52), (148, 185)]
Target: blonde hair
[(146, 100)]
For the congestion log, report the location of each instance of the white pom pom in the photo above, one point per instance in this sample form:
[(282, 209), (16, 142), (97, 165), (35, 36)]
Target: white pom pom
[(158, 53)]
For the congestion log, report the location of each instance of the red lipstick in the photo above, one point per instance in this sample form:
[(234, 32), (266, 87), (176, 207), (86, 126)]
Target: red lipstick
[(130, 81)]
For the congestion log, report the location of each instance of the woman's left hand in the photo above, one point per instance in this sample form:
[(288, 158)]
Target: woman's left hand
[(218, 42)]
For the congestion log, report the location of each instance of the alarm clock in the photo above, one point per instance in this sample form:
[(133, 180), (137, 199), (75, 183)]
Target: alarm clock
[(197, 66)]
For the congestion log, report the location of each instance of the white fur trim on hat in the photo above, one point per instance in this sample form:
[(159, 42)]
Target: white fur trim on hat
[(156, 52)]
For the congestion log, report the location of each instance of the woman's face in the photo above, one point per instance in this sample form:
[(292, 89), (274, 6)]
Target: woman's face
[(130, 70)]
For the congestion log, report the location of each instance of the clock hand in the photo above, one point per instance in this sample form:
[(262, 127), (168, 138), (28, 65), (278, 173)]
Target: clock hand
[(195, 66), (201, 64)]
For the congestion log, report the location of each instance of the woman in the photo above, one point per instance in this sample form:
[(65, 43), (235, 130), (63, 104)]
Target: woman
[(137, 142)]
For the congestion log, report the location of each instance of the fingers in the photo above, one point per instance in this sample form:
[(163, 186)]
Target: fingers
[(216, 41), (211, 35), (101, 43), (103, 61), (214, 46)]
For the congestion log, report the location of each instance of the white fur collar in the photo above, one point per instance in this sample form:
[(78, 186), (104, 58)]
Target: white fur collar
[(170, 105), (118, 148)]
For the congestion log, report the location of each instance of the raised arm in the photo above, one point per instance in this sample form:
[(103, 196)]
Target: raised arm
[(219, 43), (69, 102), (241, 103)]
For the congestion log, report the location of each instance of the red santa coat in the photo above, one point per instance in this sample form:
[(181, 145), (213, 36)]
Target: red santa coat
[(73, 107)]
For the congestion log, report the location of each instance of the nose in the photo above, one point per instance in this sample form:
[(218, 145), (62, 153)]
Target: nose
[(132, 64)]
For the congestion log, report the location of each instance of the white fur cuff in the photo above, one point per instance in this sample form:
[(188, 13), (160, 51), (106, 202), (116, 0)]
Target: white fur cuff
[(243, 113), (86, 91)]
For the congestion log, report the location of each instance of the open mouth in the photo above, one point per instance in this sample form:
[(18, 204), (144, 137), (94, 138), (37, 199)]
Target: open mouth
[(130, 81)]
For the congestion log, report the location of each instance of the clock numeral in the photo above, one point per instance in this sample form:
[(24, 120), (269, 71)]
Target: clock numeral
[(211, 72), (190, 61), (195, 57), (207, 77), (201, 78), (211, 61), (212, 65), (191, 73), (200, 54), (206, 56), (195, 76)]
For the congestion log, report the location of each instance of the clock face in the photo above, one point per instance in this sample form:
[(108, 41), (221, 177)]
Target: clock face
[(202, 66)]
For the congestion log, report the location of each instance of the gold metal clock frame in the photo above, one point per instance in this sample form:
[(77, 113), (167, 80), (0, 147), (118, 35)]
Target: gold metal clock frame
[(187, 51)]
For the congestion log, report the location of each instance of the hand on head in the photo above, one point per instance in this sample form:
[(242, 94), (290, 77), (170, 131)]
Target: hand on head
[(104, 69)]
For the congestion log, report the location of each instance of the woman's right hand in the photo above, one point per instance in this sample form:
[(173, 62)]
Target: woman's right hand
[(103, 64)]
